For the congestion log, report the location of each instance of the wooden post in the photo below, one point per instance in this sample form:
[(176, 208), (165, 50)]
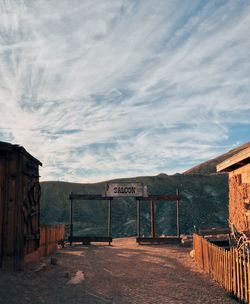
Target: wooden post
[(152, 207), (138, 217), (248, 275), (71, 218), (109, 220), (177, 213)]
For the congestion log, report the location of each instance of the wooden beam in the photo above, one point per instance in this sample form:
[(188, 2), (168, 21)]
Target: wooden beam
[(161, 198), (178, 213), (90, 239), (138, 217), (71, 217), (152, 213), (238, 160), (110, 219), (73, 196)]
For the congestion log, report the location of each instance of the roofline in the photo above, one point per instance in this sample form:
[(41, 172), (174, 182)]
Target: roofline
[(234, 162), (4, 146)]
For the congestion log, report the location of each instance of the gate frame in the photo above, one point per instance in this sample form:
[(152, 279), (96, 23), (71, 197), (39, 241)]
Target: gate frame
[(86, 240)]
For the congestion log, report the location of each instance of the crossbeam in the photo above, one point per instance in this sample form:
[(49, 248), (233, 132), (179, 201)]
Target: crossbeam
[(161, 198), (151, 198), (89, 239), (73, 196), (86, 197)]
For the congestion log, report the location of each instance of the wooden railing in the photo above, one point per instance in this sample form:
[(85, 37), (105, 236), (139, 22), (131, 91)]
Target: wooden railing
[(230, 268), (49, 237)]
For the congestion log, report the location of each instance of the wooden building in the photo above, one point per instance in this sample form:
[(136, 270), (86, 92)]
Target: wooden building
[(238, 167), (19, 206)]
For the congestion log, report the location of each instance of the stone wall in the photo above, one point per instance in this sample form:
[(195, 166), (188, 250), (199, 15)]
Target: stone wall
[(239, 198)]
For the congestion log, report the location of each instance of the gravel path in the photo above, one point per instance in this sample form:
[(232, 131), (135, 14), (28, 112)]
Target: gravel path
[(117, 274)]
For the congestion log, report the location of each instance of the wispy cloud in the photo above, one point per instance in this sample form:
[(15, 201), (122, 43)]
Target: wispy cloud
[(102, 89)]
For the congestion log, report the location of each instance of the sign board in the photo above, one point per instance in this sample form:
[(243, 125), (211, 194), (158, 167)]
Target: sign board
[(126, 189)]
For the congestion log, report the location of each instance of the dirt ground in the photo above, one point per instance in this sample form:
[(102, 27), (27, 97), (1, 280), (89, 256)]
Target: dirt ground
[(121, 273)]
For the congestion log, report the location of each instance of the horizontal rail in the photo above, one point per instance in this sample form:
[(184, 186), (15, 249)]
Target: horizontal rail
[(160, 198), (88, 197), (88, 239), (73, 196)]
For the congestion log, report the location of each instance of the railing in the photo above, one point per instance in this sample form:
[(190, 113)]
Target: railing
[(49, 237), (230, 268)]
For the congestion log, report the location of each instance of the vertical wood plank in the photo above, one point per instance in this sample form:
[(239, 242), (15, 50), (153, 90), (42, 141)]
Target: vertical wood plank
[(234, 273), (245, 275), (248, 272)]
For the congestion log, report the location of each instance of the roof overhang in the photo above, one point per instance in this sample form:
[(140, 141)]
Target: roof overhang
[(234, 162), (7, 147)]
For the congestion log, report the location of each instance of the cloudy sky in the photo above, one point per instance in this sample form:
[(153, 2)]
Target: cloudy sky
[(97, 89)]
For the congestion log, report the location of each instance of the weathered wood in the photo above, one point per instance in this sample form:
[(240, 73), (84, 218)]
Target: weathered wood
[(74, 196), (50, 236), (161, 198), (248, 282), (71, 217), (17, 217), (152, 215), (110, 219), (89, 239), (214, 231), (177, 213), (235, 161), (99, 197), (138, 220), (230, 268), (158, 240), (125, 189)]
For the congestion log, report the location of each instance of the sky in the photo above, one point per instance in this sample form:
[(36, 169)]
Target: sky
[(104, 89)]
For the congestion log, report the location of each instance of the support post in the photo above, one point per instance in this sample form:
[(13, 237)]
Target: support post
[(152, 213), (178, 213), (71, 218), (138, 217), (109, 220)]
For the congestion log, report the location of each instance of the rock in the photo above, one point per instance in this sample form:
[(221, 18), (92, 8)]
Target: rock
[(192, 254), (78, 278)]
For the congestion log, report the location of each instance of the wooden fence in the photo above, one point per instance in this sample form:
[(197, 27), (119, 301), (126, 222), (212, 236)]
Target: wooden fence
[(50, 235), (230, 268)]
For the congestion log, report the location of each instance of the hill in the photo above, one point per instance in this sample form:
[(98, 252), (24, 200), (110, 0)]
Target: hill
[(210, 165), (203, 203)]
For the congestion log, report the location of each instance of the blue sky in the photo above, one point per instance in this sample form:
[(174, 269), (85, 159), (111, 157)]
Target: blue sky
[(104, 89)]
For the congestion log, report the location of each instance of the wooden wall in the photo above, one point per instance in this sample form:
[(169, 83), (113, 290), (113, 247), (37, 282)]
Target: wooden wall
[(50, 235), (19, 205), (239, 198)]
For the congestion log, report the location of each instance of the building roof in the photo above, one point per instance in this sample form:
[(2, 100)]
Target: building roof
[(4, 146), (236, 161)]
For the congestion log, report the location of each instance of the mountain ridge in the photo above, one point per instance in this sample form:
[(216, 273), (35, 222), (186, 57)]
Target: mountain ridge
[(209, 166), (204, 202)]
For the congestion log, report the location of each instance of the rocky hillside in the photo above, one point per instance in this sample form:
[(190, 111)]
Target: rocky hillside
[(203, 203)]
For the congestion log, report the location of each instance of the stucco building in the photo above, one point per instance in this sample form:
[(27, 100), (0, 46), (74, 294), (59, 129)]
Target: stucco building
[(238, 167)]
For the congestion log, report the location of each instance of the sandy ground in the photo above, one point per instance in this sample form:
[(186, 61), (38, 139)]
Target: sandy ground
[(121, 273)]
